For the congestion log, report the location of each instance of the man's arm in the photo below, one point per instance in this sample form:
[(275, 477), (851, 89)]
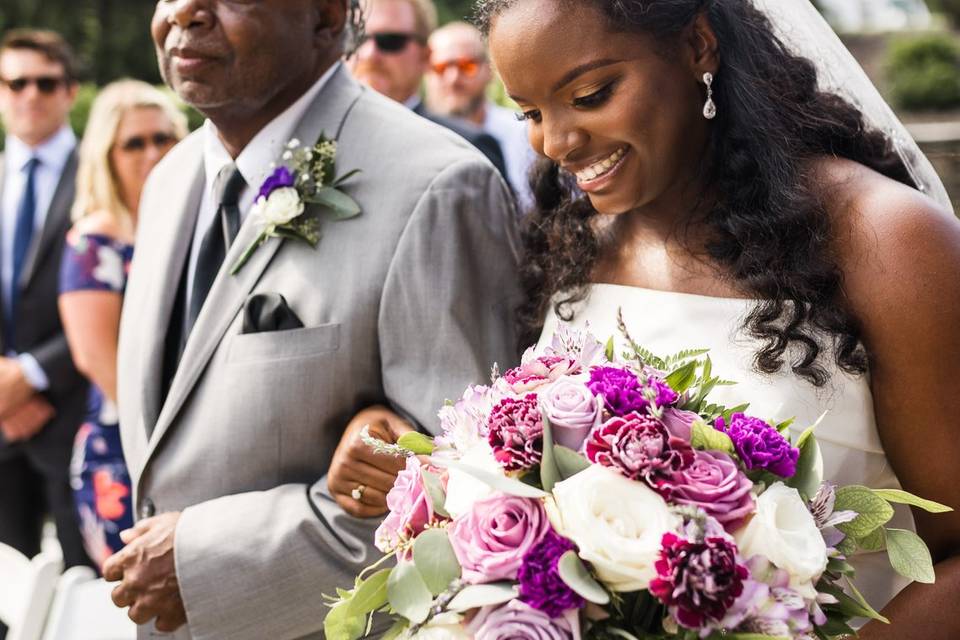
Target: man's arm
[(53, 357)]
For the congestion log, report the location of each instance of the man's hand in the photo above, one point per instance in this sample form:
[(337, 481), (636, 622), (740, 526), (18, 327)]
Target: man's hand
[(355, 465), (147, 574), (14, 388), (27, 420)]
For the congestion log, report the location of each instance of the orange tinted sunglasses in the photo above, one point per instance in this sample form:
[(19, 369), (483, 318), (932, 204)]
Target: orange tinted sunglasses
[(466, 66)]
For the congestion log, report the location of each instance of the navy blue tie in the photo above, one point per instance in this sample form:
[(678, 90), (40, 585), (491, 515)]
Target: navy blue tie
[(22, 236)]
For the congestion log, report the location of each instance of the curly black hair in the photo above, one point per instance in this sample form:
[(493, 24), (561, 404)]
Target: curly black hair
[(768, 227)]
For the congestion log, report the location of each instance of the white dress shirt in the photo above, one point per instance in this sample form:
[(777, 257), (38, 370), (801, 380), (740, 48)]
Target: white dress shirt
[(518, 156), (52, 155), (253, 162)]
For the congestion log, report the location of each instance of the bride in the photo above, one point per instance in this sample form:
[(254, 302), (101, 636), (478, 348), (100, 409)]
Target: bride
[(698, 180)]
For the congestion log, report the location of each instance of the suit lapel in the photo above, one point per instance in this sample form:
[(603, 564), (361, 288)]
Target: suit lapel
[(326, 114), (58, 217)]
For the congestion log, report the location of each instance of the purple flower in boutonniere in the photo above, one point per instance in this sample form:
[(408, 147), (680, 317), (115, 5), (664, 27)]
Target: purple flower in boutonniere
[(307, 175)]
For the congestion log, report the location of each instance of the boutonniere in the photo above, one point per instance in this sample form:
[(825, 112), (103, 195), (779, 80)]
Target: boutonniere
[(305, 175)]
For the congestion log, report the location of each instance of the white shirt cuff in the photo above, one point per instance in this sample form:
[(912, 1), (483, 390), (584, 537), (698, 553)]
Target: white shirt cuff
[(33, 372)]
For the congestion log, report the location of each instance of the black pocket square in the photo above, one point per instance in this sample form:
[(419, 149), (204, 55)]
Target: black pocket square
[(268, 312)]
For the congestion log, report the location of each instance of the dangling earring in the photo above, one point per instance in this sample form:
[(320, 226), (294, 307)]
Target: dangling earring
[(710, 108)]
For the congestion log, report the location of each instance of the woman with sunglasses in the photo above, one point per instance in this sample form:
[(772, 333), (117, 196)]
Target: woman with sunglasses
[(132, 126)]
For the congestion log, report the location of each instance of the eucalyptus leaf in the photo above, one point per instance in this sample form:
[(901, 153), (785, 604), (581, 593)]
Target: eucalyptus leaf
[(902, 497), (842, 567), (482, 595), (434, 488), (337, 202), (575, 575), (435, 560), (909, 556), (609, 350), (395, 631), (705, 437), (408, 594), (872, 510), (549, 473), (370, 595), (504, 484), (876, 541), (340, 625), (569, 462), (809, 474), (418, 443), (682, 378)]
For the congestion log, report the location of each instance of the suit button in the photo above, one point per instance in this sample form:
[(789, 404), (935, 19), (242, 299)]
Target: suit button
[(147, 509)]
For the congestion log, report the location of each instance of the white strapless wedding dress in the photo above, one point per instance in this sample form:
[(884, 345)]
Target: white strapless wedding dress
[(666, 322)]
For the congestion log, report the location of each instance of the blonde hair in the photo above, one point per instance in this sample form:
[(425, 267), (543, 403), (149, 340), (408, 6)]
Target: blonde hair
[(96, 181), (424, 14)]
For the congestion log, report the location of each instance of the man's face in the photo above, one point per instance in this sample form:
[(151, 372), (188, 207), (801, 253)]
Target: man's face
[(243, 56), (397, 73), (35, 97), (459, 73)]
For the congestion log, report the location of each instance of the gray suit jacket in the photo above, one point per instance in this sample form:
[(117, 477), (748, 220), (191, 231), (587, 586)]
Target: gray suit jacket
[(405, 304)]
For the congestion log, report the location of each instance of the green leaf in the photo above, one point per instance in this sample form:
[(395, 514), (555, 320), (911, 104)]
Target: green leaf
[(395, 631), (834, 628), (500, 483), (909, 556), (418, 443), (865, 610), (337, 202), (609, 350), (370, 595), (681, 379), (345, 177), (408, 594), (340, 625), (873, 511), (434, 488), (569, 462), (809, 474), (902, 497), (705, 437), (435, 560), (784, 426), (841, 567), (481, 595), (876, 541), (848, 546), (549, 472), (575, 575), (747, 636)]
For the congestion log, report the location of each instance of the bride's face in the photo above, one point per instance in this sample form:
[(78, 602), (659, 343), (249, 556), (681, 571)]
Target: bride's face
[(614, 109)]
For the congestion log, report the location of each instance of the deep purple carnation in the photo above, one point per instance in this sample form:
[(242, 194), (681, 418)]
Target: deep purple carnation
[(698, 581), (280, 178), (639, 447), (760, 446), (516, 433), (622, 392), (541, 586)]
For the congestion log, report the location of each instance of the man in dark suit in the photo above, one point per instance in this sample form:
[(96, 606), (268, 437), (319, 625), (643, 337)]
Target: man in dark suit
[(394, 57), (42, 396)]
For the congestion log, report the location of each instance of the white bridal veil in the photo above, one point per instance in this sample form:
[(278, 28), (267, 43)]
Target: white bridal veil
[(804, 31)]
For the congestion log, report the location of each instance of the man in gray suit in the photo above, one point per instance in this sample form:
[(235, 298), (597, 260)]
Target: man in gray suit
[(403, 305)]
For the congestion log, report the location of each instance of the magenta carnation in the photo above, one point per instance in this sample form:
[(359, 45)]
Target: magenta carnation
[(714, 483), (698, 581), (639, 447), (541, 586), (759, 445), (622, 392), (516, 433)]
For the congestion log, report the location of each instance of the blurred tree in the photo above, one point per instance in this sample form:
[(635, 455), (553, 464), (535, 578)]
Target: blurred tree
[(950, 8), (450, 10)]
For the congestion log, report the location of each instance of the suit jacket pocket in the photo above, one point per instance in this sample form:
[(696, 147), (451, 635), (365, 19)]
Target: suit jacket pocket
[(284, 345)]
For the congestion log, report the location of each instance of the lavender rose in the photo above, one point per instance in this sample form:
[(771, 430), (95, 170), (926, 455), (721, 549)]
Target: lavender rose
[(515, 433), (622, 392), (760, 446), (491, 540), (410, 509), (518, 621), (540, 583), (679, 422), (573, 411), (714, 483)]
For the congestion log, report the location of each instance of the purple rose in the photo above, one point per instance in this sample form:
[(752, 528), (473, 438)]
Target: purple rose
[(714, 483), (410, 509), (622, 392), (540, 583), (573, 411), (518, 621), (280, 178), (515, 433), (679, 422), (491, 540), (639, 447), (759, 445)]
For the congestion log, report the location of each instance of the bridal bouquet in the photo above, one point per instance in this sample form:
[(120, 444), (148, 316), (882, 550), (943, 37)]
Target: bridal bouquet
[(585, 495)]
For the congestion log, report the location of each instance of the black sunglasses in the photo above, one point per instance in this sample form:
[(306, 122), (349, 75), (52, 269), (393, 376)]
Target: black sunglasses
[(139, 143), (45, 84), (391, 42)]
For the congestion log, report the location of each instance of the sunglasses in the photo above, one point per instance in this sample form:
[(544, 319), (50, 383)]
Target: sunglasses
[(139, 143), (45, 84), (391, 42), (467, 66)]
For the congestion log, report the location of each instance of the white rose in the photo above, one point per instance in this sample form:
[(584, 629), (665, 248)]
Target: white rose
[(446, 626), (280, 207), (462, 488), (784, 531), (617, 523)]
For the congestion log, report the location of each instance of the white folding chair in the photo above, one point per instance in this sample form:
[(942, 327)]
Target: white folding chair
[(26, 589), (82, 610)]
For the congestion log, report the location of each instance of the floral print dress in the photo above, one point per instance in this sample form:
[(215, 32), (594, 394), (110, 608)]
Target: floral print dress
[(98, 473)]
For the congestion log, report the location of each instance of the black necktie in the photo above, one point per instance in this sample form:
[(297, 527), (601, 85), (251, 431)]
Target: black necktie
[(217, 240)]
